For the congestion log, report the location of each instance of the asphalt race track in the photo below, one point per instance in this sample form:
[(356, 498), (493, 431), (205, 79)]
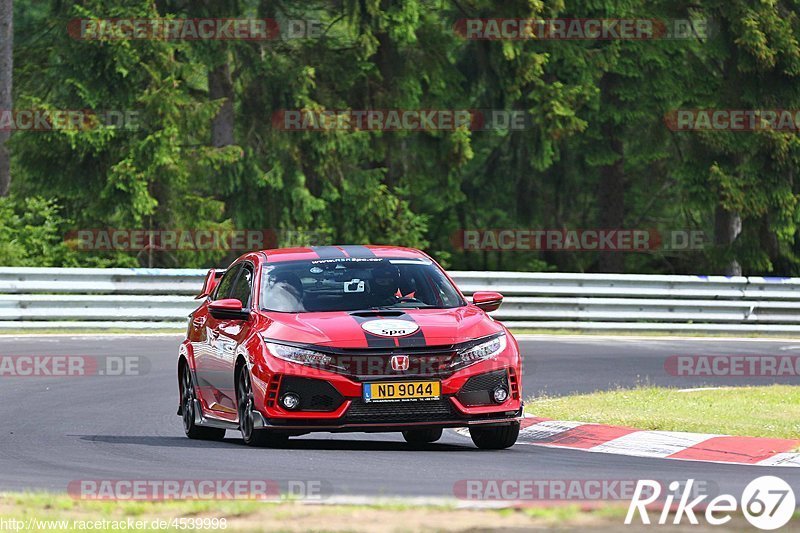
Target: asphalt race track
[(56, 430)]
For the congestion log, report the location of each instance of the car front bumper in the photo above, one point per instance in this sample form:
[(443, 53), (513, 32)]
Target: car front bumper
[(327, 425)]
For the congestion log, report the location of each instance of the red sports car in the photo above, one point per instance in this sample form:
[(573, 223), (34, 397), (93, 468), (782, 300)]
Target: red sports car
[(346, 338)]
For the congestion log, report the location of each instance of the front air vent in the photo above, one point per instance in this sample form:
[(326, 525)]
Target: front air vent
[(478, 389), (315, 394)]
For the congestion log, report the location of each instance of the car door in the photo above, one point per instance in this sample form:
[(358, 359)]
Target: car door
[(210, 369), (227, 334)]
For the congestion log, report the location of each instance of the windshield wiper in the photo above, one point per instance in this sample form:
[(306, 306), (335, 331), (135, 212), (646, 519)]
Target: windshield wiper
[(402, 305)]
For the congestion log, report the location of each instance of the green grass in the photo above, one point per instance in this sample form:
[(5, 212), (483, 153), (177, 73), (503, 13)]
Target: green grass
[(771, 411), (391, 515)]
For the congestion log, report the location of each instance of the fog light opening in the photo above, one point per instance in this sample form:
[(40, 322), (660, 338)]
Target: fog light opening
[(290, 401), (500, 395)]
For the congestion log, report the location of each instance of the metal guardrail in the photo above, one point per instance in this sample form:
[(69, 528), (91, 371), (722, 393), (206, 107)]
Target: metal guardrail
[(121, 298)]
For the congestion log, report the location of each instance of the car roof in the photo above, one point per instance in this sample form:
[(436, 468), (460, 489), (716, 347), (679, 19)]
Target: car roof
[(343, 251)]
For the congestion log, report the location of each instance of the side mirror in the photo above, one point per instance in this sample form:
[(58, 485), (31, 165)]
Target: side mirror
[(228, 308), (488, 301)]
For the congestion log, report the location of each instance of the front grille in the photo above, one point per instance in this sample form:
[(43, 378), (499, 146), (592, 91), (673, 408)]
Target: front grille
[(399, 412), (478, 389), (361, 365), (315, 394)]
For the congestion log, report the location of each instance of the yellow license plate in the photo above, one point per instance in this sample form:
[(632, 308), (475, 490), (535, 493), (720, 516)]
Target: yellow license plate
[(402, 391)]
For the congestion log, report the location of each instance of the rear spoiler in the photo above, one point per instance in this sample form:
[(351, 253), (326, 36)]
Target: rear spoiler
[(210, 283)]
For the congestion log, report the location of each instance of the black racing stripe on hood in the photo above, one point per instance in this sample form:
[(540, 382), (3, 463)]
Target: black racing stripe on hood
[(416, 339), (374, 341)]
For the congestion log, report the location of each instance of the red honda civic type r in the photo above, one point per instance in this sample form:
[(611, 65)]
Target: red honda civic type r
[(346, 338)]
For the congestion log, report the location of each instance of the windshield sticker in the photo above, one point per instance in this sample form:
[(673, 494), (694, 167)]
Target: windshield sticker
[(354, 285), (347, 260)]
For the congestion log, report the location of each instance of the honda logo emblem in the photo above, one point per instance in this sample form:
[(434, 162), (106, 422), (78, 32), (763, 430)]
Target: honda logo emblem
[(399, 362)]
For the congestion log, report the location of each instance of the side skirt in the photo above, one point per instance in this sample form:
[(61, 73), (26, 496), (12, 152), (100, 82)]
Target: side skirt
[(203, 420)]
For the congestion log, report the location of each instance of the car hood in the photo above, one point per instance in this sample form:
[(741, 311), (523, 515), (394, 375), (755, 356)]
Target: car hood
[(340, 329)]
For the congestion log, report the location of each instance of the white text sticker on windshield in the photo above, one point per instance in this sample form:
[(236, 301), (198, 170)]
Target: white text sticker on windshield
[(354, 285)]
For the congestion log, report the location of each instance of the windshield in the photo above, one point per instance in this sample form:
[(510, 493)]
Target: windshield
[(351, 284)]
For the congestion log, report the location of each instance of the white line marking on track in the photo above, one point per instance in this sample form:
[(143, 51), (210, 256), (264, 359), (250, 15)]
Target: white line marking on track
[(547, 429), (652, 443), (781, 459)]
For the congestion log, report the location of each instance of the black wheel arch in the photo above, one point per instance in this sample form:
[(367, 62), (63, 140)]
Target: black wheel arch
[(182, 364)]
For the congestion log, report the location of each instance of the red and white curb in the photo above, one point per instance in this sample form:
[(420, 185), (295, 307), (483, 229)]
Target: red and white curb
[(659, 444)]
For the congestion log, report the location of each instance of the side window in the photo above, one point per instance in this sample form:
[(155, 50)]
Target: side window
[(223, 290), (242, 287)]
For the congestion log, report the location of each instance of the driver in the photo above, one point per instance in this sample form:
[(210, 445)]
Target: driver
[(285, 292), (385, 284)]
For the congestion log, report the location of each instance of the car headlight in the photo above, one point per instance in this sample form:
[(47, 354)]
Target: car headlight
[(299, 355), (480, 352)]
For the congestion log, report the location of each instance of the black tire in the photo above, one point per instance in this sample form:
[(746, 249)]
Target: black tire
[(244, 400), (188, 398), (422, 436), (495, 438)]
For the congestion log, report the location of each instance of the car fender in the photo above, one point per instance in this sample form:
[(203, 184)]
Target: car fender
[(185, 351)]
